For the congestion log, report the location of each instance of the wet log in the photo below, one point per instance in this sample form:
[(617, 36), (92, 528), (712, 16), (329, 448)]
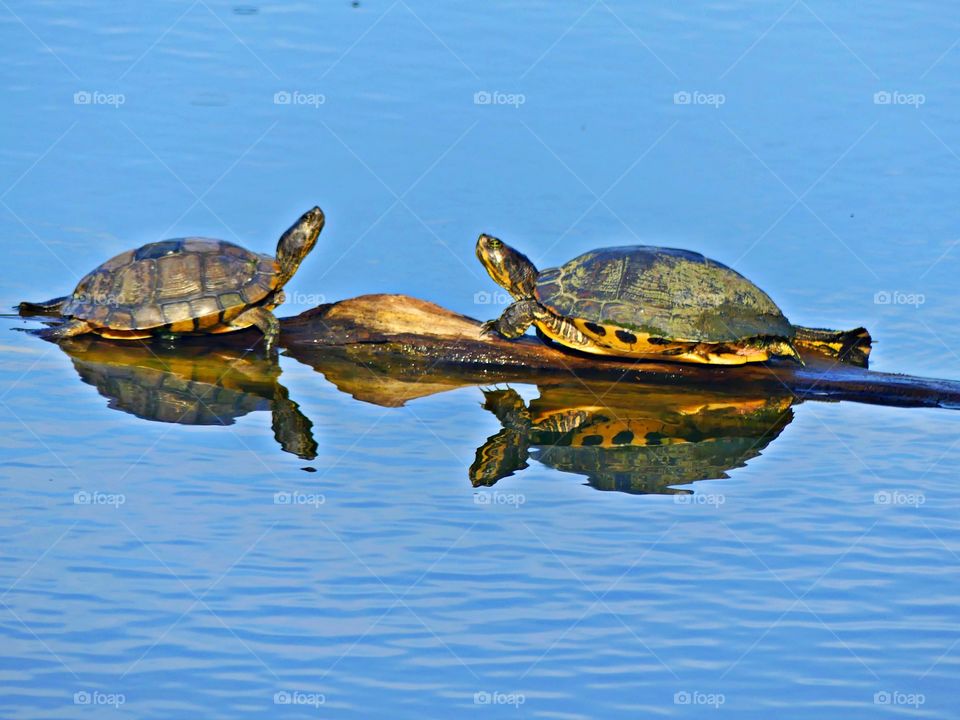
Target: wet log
[(392, 348)]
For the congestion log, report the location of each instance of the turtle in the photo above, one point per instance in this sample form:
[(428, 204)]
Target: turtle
[(637, 440), (650, 302), (190, 285)]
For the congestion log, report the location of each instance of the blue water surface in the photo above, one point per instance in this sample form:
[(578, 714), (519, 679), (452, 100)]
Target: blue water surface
[(813, 146)]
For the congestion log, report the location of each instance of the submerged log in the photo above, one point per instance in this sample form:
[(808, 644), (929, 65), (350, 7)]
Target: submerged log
[(392, 348)]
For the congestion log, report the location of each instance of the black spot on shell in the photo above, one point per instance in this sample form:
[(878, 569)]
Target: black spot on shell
[(658, 341), (654, 438), (626, 337), (590, 440), (596, 329), (624, 437), (157, 250)]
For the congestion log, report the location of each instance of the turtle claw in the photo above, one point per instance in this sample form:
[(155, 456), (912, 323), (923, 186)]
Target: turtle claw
[(489, 328)]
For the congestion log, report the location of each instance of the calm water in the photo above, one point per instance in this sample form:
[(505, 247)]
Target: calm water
[(818, 579)]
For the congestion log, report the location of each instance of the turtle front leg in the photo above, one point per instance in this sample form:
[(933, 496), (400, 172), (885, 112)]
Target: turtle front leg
[(514, 321), (266, 321)]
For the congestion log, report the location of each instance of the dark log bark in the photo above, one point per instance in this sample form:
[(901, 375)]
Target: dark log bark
[(389, 349)]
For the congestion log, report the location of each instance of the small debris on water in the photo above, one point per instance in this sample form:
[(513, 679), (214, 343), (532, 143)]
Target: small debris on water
[(309, 468)]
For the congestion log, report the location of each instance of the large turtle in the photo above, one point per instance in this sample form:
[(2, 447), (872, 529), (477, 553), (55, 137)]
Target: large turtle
[(655, 303), (184, 286)]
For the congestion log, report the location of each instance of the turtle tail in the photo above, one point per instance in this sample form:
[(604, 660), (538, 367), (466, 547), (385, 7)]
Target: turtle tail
[(50, 307), (849, 346)]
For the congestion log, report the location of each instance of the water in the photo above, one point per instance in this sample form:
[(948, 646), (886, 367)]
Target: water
[(818, 578)]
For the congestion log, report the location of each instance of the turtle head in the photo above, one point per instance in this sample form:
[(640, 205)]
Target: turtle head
[(296, 242), (510, 269)]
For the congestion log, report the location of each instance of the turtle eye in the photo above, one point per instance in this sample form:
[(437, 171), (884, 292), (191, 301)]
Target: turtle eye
[(495, 244)]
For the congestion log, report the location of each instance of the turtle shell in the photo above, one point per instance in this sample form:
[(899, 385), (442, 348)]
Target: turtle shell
[(187, 284), (663, 292)]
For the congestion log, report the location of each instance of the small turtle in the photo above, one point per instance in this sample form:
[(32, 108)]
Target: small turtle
[(184, 286), (653, 303)]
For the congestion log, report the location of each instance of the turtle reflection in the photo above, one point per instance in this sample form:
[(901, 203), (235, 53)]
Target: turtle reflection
[(192, 384), (636, 440)]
